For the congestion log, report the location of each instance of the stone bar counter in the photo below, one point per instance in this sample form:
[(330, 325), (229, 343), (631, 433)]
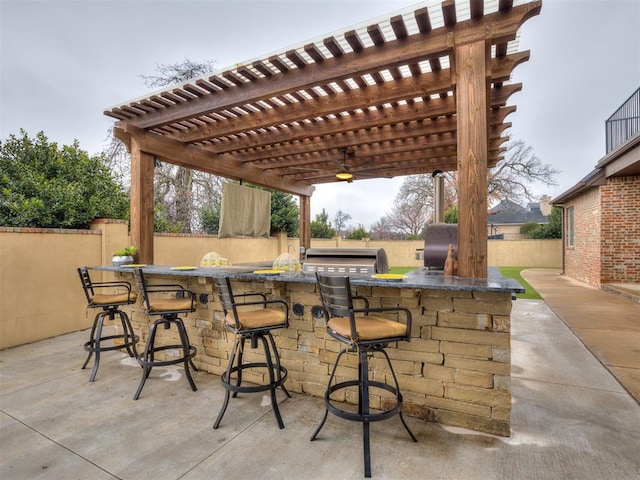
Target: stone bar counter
[(455, 370)]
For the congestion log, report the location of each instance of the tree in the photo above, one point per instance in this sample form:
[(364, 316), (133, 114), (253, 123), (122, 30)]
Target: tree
[(358, 233), (285, 213), (451, 214), (528, 228), (321, 226), (44, 186), (340, 221), (553, 229), (510, 179), (182, 193), (210, 219)]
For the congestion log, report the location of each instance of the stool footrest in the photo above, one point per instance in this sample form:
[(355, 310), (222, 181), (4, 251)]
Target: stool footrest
[(161, 363), (226, 380), (90, 345), (368, 416)]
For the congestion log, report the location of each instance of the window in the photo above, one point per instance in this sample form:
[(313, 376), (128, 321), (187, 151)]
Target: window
[(570, 227)]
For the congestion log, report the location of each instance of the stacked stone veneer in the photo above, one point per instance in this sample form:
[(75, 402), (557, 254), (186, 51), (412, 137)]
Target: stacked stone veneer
[(455, 370)]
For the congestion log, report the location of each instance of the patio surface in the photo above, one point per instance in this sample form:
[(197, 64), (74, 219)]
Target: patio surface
[(571, 418)]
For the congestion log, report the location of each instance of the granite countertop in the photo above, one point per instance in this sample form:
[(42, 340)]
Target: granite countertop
[(419, 278)]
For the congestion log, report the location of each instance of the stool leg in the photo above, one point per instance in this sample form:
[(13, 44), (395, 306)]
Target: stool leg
[(277, 357), (274, 401), (147, 356), (393, 373), (226, 377), (240, 354), (326, 395), (186, 351), (128, 334), (96, 346), (89, 346), (363, 406)]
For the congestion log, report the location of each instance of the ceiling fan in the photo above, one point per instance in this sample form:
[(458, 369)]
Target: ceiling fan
[(343, 172)]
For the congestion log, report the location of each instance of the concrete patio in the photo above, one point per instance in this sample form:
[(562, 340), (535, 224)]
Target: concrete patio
[(571, 418)]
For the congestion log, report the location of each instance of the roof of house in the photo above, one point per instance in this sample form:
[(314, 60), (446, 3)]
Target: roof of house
[(510, 213)]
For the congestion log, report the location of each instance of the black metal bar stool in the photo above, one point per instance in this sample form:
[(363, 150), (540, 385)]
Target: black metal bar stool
[(110, 303), (364, 334), (167, 301), (253, 325)]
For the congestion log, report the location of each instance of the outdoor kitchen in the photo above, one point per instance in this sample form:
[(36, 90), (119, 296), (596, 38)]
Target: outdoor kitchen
[(455, 370)]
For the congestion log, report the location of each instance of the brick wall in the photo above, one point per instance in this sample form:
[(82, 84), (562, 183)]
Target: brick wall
[(582, 261), (620, 203)]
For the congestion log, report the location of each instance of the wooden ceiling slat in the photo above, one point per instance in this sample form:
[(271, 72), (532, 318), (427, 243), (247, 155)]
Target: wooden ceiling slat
[(233, 78), (476, 8), (449, 13), (423, 20), (333, 46), (218, 82), (353, 39), (209, 87), (296, 59), (399, 28), (247, 73), (194, 90), (376, 35), (262, 68), (278, 64), (441, 122), (504, 5), (314, 52)]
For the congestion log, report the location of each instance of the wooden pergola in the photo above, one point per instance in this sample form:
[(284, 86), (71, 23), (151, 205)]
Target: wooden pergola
[(423, 91)]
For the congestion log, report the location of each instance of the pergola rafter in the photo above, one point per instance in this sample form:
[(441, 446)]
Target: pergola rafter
[(417, 93)]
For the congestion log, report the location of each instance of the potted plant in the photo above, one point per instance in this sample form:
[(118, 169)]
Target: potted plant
[(124, 256)]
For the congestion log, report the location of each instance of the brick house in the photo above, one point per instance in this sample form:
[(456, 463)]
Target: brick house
[(601, 213)]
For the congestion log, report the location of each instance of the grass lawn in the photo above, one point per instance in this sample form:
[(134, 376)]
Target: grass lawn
[(510, 272), (514, 272)]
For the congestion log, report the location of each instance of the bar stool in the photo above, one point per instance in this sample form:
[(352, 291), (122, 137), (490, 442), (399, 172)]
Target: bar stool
[(109, 303), (364, 334), (167, 301), (253, 325)]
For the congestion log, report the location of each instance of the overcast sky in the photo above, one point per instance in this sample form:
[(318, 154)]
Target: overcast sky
[(63, 62)]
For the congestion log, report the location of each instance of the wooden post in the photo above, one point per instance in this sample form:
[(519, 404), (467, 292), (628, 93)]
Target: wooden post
[(472, 100), (142, 165), (305, 223)]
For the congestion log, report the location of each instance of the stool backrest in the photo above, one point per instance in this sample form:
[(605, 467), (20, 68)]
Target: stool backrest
[(336, 298), (85, 279), (142, 285), (225, 294)]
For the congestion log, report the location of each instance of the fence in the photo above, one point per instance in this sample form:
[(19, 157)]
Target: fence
[(40, 291)]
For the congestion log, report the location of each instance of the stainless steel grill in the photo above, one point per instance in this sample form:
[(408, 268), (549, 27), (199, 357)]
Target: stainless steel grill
[(346, 261), (437, 238)]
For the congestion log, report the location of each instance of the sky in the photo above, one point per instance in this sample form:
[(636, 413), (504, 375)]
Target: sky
[(63, 62)]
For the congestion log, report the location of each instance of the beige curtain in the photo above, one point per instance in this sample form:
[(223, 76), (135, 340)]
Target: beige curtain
[(245, 212)]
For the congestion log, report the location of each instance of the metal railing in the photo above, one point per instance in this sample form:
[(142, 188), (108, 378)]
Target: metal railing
[(624, 123)]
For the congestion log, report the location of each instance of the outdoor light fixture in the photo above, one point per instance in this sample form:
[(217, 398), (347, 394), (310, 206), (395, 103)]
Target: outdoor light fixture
[(344, 176)]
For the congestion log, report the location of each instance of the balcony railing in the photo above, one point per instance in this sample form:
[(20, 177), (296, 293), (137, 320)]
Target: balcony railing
[(624, 123)]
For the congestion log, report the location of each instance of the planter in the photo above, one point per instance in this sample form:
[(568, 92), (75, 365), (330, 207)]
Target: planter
[(118, 260)]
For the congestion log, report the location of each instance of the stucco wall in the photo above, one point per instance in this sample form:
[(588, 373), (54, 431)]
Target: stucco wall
[(42, 298)]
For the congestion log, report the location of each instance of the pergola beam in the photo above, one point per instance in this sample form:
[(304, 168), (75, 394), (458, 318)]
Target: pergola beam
[(405, 97)]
